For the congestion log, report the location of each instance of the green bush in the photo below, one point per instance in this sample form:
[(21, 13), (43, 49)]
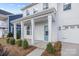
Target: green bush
[(12, 41), (7, 40), (19, 42), (25, 44), (50, 48), (10, 34)]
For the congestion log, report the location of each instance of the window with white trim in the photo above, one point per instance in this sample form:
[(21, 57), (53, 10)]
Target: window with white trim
[(28, 30), (27, 12), (45, 5), (66, 6), (34, 10)]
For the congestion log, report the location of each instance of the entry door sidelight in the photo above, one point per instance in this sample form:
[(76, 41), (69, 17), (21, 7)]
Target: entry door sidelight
[(46, 33)]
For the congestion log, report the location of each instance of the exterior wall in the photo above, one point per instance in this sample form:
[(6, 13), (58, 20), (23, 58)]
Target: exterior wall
[(1, 33), (68, 17), (51, 5), (25, 33), (39, 31), (39, 8), (5, 25), (13, 17), (54, 32)]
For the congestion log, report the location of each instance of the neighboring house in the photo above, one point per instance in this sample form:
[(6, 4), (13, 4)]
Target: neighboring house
[(49, 22), (4, 22), (5, 25), (18, 28), (13, 17)]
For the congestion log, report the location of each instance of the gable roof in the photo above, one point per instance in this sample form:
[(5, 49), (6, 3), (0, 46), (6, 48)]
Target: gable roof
[(5, 12), (30, 5)]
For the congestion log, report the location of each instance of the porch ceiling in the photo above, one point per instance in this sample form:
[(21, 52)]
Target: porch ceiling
[(38, 20)]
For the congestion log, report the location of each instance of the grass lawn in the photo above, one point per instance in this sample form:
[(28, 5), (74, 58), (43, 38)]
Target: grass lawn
[(3, 41)]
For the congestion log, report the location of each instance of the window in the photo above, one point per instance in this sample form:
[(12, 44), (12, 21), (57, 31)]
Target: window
[(27, 12), (59, 28), (46, 32), (67, 6), (77, 26), (45, 5), (28, 30), (34, 10)]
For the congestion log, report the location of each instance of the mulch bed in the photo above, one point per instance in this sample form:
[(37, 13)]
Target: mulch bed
[(46, 53), (19, 51)]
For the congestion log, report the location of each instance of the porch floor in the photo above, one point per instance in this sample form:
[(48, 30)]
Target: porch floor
[(39, 44)]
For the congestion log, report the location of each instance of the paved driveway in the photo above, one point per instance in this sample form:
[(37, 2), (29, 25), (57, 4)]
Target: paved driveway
[(69, 49)]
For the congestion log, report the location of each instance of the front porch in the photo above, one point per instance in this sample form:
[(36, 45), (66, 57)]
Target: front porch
[(37, 32)]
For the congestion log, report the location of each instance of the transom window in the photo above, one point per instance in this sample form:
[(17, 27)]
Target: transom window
[(67, 6), (34, 10), (27, 12), (45, 5)]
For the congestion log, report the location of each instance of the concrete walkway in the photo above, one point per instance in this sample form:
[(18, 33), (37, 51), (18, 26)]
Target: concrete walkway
[(41, 46), (36, 52)]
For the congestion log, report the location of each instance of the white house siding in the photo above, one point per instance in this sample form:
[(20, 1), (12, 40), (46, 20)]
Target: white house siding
[(54, 32), (39, 8), (4, 23), (1, 33), (69, 17), (51, 5), (39, 31), (25, 33)]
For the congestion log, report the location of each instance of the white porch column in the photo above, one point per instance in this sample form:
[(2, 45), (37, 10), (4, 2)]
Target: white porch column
[(14, 31), (22, 30), (49, 27), (33, 28)]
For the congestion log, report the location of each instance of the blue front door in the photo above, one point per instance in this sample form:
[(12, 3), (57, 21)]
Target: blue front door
[(46, 33)]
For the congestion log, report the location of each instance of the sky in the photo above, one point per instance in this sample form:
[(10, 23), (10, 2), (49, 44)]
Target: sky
[(13, 7)]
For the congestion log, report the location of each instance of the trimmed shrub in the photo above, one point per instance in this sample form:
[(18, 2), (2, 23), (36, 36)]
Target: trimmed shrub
[(25, 44), (50, 48), (12, 41), (19, 42), (10, 34), (7, 40), (58, 46)]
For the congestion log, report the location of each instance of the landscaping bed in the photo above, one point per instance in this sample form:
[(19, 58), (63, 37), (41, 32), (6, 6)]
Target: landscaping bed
[(53, 50), (15, 49), (19, 51), (46, 53)]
